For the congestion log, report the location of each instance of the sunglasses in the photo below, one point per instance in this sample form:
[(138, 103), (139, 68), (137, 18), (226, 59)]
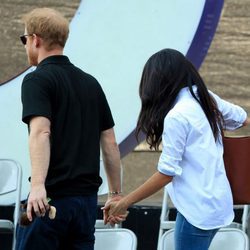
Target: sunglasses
[(23, 38)]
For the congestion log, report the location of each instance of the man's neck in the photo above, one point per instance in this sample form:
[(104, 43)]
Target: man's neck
[(44, 54)]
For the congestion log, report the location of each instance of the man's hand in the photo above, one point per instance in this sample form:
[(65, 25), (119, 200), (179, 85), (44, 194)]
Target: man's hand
[(37, 202)]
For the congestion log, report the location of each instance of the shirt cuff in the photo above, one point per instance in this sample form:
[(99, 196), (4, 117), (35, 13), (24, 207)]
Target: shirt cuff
[(169, 170)]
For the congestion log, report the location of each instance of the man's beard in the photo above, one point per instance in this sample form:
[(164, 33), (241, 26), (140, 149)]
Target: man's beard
[(32, 58)]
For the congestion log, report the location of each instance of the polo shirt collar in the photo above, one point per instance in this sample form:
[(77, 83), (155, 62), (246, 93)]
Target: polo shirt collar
[(57, 59)]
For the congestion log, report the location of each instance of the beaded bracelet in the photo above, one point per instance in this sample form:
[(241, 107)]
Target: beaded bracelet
[(112, 193)]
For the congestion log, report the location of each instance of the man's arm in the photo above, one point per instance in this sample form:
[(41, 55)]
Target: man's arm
[(39, 146), (111, 159), (112, 164)]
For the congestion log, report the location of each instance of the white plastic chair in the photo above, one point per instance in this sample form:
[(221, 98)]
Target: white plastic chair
[(10, 185), (230, 239), (225, 238), (166, 223), (166, 241), (115, 239), (244, 219)]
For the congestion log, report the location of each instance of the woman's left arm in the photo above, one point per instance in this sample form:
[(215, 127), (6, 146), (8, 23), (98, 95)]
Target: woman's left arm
[(151, 186), (246, 122)]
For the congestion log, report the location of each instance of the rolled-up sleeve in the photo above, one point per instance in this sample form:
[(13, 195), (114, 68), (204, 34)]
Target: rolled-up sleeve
[(173, 141), (234, 116)]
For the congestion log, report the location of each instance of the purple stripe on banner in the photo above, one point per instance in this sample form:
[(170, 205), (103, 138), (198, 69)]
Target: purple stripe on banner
[(129, 143), (205, 32), (196, 54)]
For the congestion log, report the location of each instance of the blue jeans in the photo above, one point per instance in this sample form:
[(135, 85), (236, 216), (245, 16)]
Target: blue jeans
[(189, 237), (73, 228)]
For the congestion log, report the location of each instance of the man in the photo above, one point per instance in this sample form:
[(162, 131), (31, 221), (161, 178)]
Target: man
[(68, 119)]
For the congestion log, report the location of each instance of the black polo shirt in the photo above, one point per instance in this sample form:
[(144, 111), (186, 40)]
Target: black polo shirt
[(75, 104)]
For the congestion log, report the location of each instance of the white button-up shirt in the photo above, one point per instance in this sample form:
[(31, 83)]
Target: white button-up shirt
[(200, 189)]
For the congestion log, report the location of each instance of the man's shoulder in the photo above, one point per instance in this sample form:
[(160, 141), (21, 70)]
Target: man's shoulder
[(44, 75), (85, 75), (31, 76), (36, 77)]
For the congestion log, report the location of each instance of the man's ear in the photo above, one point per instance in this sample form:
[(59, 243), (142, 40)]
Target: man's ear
[(37, 40)]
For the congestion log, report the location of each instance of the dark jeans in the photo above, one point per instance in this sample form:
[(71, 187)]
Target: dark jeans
[(189, 237), (72, 229)]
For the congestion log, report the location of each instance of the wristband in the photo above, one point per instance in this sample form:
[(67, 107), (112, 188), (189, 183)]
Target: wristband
[(113, 193)]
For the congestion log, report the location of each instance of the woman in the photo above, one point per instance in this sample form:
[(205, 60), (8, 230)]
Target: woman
[(178, 110)]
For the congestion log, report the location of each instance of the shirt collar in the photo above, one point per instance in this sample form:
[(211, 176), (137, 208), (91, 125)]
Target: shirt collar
[(57, 59), (185, 93)]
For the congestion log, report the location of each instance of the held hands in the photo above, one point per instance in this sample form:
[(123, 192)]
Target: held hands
[(115, 210)]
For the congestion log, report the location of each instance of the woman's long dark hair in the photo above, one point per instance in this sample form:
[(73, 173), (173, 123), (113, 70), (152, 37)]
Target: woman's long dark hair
[(164, 75)]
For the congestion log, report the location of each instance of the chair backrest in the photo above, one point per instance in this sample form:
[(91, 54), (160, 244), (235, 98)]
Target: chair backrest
[(165, 223), (230, 239), (166, 242), (10, 184), (115, 239), (226, 238)]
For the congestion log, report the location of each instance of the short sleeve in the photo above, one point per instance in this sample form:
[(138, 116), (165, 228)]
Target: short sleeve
[(173, 145), (107, 121), (35, 98)]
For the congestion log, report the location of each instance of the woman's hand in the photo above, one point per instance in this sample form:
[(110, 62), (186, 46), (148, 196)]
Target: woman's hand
[(115, 211), (118, 208), (246, 122)]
